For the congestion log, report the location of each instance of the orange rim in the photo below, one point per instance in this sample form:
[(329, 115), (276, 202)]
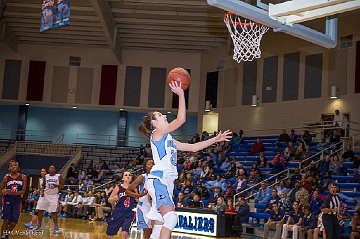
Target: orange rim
[(248, 24)]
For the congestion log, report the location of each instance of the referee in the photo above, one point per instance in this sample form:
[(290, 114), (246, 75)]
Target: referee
[(330, 209)]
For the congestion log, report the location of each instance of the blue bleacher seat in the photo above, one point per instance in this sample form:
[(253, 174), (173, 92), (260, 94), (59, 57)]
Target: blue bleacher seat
[(259, 206), (293, 164), (231, 180), (355, 186), (351, 194), (259, 215), (205, 202), (342, 178), (347, 164)]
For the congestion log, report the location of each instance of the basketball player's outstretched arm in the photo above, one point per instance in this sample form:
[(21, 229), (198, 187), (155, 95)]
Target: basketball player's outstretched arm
[(225, 136), (181, 115), (9, 192), (131, 190)]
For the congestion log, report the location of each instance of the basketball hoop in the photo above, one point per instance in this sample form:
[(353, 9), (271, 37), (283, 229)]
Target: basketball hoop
[(246, 37)]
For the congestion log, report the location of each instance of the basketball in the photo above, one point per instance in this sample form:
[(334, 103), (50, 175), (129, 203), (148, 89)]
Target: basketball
[(180, 75)]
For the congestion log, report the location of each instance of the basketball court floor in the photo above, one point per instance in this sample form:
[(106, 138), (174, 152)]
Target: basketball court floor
[(80, 229)]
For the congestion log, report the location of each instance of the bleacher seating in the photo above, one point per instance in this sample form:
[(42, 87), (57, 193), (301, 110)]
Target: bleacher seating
[(242, 154), (4, 144), (113, 156)]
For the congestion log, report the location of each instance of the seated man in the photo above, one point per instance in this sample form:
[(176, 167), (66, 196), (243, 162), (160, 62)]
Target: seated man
[(276, 220), (263, 195), (283, 138), (225, 166), (195, 202), (293, 222), (274, 198), (348, 154), (213, 198), (308, 223)]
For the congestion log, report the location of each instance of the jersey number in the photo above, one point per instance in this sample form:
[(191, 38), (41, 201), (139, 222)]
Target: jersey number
[(173, 157), (127, 202)]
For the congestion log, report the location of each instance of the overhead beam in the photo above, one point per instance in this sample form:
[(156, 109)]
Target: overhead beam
[(320, 13), (104, 14), (61, 40), (295, 7), (169, 22), (61, 44), (8, 36), (34, 21), (36, 6), (24, 15)]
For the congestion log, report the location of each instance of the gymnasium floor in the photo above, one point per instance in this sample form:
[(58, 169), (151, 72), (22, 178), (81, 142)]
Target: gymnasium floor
[(78, 229)]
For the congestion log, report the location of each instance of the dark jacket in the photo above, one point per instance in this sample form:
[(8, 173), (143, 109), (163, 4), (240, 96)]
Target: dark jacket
[(243, 213)]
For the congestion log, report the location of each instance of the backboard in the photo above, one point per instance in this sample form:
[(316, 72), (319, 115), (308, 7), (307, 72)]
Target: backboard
[(289, 16)]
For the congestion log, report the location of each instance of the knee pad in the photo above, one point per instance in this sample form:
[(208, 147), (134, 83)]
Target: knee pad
[(155, 234), (170, 220)]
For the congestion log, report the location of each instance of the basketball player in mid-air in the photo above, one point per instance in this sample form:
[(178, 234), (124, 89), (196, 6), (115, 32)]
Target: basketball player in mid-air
[(122, 215), (12, 189), (144, 205), (31, 224), (160, 183), (49, 197)]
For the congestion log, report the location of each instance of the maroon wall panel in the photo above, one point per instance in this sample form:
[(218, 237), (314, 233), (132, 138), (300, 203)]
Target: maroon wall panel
[(357, 68), (35, 86), (108, 84)]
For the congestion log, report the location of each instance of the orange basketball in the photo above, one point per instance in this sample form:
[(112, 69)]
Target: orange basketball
[(180, 75)]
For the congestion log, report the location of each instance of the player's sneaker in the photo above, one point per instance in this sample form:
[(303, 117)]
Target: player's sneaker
[(37, 228), (28, 225), (56, 230)]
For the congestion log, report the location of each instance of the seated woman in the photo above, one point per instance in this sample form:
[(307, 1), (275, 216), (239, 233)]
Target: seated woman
[(299, 153), (231, 172), (220, 207), (261, 160), (229, 206)]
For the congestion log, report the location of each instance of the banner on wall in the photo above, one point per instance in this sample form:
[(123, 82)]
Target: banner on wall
[(62, 13), (47, 8)]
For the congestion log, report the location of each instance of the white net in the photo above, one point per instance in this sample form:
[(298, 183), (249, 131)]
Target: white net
[(246, 37)]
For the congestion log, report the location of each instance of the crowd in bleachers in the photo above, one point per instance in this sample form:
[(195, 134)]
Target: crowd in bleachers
[(212, 177)]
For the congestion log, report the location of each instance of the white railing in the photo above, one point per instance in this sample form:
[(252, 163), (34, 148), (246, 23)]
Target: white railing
[(35, 135), (48, 149), (9, 154), (288, 171), (73, 160), (329, 149), (60, 139)]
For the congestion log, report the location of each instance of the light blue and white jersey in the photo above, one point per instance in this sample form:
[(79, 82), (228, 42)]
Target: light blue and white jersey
[(144, 199), (50, 181), (165, 157)]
